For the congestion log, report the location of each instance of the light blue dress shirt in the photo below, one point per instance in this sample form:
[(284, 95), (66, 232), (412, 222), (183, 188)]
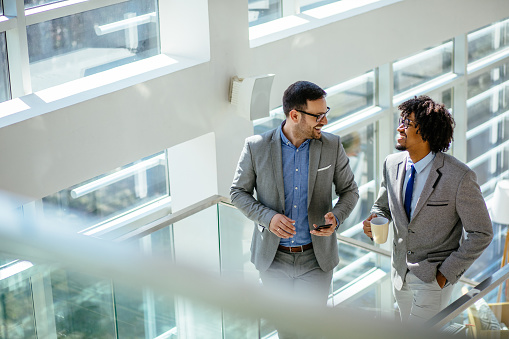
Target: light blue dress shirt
[(422, 170), (295, 181)]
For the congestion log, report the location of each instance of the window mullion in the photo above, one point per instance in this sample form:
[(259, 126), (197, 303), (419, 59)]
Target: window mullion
[(460, 96), (290, 7), (17, 50)]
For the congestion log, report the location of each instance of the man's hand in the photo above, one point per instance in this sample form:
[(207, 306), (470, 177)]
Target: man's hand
[(441, 279), (325, 232), (367, 225), (282, 226)]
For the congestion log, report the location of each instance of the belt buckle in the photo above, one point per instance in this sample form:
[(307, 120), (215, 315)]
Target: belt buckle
[(297, 249)]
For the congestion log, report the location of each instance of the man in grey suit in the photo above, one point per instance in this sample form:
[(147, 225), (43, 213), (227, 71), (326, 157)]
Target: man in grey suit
[(431, 198), (292, 169)]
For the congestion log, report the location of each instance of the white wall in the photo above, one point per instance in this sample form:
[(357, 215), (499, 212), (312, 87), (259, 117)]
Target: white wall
[(75, 142)]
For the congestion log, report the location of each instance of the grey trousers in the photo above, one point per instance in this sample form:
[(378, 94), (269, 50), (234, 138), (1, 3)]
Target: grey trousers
[(419, 301), (297, 275)]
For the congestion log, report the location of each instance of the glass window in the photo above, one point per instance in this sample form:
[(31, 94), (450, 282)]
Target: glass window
[(488, 40), (360, 149), (5, 89), (344, 99), (310, 4), (35, 3), (351, 96), (113, 193), (488, 126), (83, 44), (423, 67), (261, 11)]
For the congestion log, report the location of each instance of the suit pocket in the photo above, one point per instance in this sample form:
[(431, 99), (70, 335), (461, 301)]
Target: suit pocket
[(324, 168), (439, 256), (438, 203)]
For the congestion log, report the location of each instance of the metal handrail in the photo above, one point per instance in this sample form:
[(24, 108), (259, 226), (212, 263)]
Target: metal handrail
[(468, 299)]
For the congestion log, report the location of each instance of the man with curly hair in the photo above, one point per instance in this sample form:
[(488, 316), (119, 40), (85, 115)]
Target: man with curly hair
[(431, 198)]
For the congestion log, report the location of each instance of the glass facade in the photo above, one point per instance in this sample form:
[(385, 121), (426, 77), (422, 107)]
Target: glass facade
[(360, 147), (351, 96), (261, 11), (114, 193), (422, 67), (87, 43), (310, 4), (488, 117), (488, 40), (36, 3), (5, 92)]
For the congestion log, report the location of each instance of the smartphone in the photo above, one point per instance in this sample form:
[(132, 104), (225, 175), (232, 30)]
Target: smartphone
[(323, 226)]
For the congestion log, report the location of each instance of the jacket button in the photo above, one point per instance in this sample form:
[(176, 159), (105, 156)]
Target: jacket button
[(409, 252)]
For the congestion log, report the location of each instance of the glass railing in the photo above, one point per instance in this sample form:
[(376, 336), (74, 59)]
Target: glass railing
[(188, 275)]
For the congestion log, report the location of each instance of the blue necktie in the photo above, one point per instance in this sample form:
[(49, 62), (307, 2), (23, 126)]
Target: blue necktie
[(408, 192)]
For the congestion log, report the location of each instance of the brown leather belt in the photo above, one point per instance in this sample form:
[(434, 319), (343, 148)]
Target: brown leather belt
[(295, 249)]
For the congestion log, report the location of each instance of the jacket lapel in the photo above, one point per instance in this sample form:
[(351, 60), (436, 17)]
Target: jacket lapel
[(277, 164), (315, 150), (431, 182), (400, 180)]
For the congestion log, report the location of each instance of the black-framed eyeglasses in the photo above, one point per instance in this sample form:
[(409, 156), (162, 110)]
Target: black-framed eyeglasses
[(406, 122), (318, 117)]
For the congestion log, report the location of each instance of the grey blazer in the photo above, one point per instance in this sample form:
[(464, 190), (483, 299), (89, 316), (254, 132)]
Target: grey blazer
[(260, 168), (450, 202)]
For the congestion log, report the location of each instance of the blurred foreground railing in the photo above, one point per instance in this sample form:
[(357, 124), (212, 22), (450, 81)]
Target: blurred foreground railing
[(51, 245)]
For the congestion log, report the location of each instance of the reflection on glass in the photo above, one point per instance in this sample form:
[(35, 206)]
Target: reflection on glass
[(17, 311), (351, 96), (488, 40), (83, 44), (83, 305), (35, 3), (261, 11), (113, 193), (309, 4), (422, 67), (5, 90)]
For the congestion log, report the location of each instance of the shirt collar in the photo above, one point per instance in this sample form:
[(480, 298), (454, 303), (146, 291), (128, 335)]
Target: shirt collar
[(421, 164)]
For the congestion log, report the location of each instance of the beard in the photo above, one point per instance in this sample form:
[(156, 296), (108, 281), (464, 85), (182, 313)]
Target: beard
[(307, 132), (400, 147)]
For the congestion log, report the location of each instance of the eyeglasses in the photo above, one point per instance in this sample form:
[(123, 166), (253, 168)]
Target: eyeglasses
[(405, 122), (318, 117)]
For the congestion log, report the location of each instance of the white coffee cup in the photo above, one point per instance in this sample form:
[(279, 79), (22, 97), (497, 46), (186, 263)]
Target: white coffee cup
[(380, 229)]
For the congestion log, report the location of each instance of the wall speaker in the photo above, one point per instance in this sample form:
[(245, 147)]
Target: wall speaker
[(251, 95)]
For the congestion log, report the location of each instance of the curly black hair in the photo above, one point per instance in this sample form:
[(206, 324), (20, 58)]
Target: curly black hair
[(433, 121), (297, 95)]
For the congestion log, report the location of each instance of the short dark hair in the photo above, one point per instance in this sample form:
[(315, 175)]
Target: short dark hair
[(297, 95), (433, 121)]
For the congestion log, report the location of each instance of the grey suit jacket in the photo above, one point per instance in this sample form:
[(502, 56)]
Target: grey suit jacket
[(260, 168), (450, 202)]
